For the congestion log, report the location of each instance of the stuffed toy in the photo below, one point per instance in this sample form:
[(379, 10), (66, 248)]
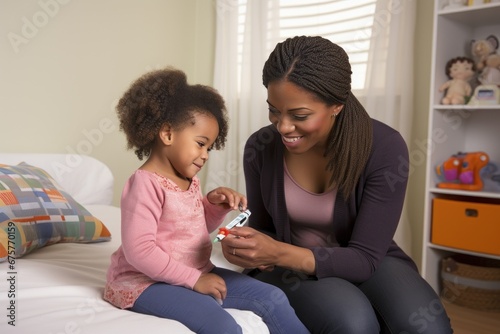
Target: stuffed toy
[(487, 60), (460, 71), (462, 171)]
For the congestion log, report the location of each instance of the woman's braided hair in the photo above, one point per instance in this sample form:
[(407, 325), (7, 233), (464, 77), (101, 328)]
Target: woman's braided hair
[(165, 97), (322, 67)]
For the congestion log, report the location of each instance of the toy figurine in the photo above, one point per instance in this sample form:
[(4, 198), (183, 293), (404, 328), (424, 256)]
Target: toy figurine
[(459, 70), (462, 171), (487, 60)]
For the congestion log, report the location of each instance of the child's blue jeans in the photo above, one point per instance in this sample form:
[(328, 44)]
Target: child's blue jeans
[(202, 314)]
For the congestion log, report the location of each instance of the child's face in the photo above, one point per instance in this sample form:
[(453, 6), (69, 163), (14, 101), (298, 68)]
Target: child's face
[(190, 145)]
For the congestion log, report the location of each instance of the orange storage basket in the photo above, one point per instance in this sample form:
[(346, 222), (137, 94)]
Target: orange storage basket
[(466, 225)]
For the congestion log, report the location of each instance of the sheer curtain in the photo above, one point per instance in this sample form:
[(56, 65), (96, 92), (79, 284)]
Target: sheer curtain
[(238, 77), (387, 93)]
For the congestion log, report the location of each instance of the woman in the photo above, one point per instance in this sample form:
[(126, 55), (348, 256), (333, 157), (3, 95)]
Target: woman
[(326, 186)]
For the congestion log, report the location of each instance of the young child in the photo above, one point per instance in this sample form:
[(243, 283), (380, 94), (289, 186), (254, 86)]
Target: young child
[(163, 266)]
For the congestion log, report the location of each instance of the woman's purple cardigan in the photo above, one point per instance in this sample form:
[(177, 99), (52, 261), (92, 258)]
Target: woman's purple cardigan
[(364, 225)]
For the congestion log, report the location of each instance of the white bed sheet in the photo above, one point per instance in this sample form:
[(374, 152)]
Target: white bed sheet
[(59, 290)]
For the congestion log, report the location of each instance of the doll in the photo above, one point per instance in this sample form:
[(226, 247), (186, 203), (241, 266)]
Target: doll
[(487, 60), (459, 70)]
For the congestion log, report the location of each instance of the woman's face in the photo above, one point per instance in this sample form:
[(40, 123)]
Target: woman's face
[(303, 121)]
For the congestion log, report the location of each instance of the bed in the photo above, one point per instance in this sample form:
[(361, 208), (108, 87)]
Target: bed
[(58, 288)]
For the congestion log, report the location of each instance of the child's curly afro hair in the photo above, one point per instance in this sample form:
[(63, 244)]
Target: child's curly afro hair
[(164, 97)]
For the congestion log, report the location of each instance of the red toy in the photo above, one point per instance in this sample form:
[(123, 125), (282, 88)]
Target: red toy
[(462, 171)]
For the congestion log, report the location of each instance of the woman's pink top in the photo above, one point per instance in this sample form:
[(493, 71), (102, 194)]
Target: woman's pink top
[(310, 214), (165, 237)]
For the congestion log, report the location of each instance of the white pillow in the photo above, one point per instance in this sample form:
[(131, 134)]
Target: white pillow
[(86, 179)]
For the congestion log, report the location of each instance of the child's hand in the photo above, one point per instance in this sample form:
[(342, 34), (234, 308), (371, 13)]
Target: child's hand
[(228, 197), (212, 285)]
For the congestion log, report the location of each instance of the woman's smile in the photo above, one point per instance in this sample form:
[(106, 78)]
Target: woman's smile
[(291, 141)]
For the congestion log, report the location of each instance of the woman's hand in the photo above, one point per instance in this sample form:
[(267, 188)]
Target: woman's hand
[(213, 285), (228, 197), (249, 248)]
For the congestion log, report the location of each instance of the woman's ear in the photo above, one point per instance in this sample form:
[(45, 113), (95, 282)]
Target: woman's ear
[(337, 109), (166, 134)]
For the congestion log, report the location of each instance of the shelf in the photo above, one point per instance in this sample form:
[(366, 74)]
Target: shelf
[(458, 128), (466, 107), (474, 16), (463, 251), (483, 194)]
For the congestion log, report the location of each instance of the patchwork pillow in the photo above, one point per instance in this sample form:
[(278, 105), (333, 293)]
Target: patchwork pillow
[(36, 212)]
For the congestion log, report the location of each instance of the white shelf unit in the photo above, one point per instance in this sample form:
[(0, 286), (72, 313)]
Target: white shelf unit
[(462, 128)]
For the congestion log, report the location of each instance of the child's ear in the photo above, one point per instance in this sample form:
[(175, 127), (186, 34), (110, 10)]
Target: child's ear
[(166, 134)]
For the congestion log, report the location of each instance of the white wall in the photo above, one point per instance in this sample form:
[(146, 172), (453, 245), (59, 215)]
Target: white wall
[(65, 63), (422, 69)]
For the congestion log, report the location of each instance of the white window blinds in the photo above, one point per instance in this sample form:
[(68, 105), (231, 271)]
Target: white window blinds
[(345, 22)]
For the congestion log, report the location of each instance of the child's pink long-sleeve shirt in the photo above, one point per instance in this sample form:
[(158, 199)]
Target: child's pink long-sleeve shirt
[(165, 237)]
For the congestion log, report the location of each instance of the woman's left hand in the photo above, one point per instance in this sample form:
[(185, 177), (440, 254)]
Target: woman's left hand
[(248, 248)]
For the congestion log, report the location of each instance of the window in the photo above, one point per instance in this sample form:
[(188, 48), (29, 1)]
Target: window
[(345, 22)]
